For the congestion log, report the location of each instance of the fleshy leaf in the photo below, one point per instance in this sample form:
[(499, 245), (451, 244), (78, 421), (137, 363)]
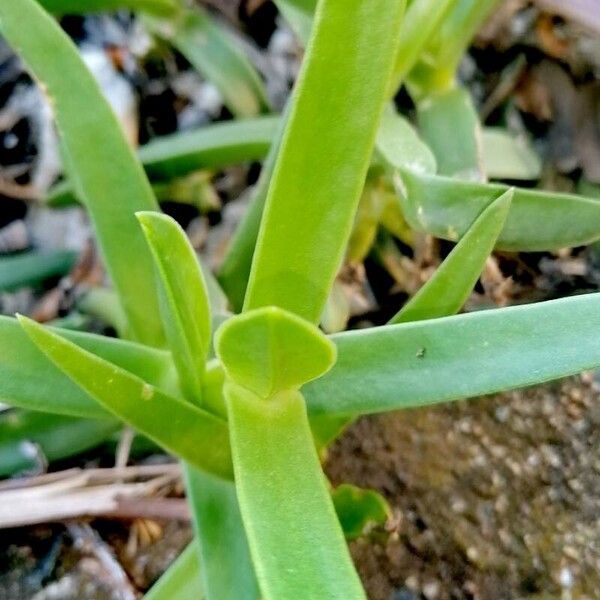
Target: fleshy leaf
[(76, 7), (359, 510), (417, 364), (28, 439), (450, 126), (537, 220), (313, 195), (506, 156), (400, 145), (227, 570), (286, 506), (269, 350), (26, 374), (32, 268), (178, 426), (100, 162), (449, 287), (184, 300)]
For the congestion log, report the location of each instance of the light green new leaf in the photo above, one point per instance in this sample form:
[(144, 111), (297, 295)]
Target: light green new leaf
[(100, 162), (450, 126), (28, 439), (324, 156), (295, 538), (182, 580), (27, 376), (269, 350), (400, 145), (226, 566), (537, 220), (446, 292), (76, 7), (184, 300), (178, 426), (506, 156), (417, 364), (359, 510), (32, 268), (215, 53)]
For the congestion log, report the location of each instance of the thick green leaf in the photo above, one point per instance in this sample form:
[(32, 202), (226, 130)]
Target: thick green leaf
[(217, 55), (423, 18), (450, 126), (325, 155), (269, 350), (182, 580), (436, 72), (29, 380), (359, 510), (295, 538), (178, 426), (210, 147), (33, 267), (101, 164), (416, 364), (184, 300), (506, 156), (446, 292), (537, 220), (227, 570), (76, 7), (400, 145), (457, 31), (30, 439)]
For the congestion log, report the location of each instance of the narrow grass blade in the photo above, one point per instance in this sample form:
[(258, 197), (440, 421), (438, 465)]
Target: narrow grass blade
[(27, 376), (182, 580), (33, 268), (76, 7), (314, 194), (184, 300), (102, 165), (508, 157), (450, 126), (417, 364), (30, 440), (178, 426), (226, 566), (295, 538), (446, 292), (537, 220), (215, 53)]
